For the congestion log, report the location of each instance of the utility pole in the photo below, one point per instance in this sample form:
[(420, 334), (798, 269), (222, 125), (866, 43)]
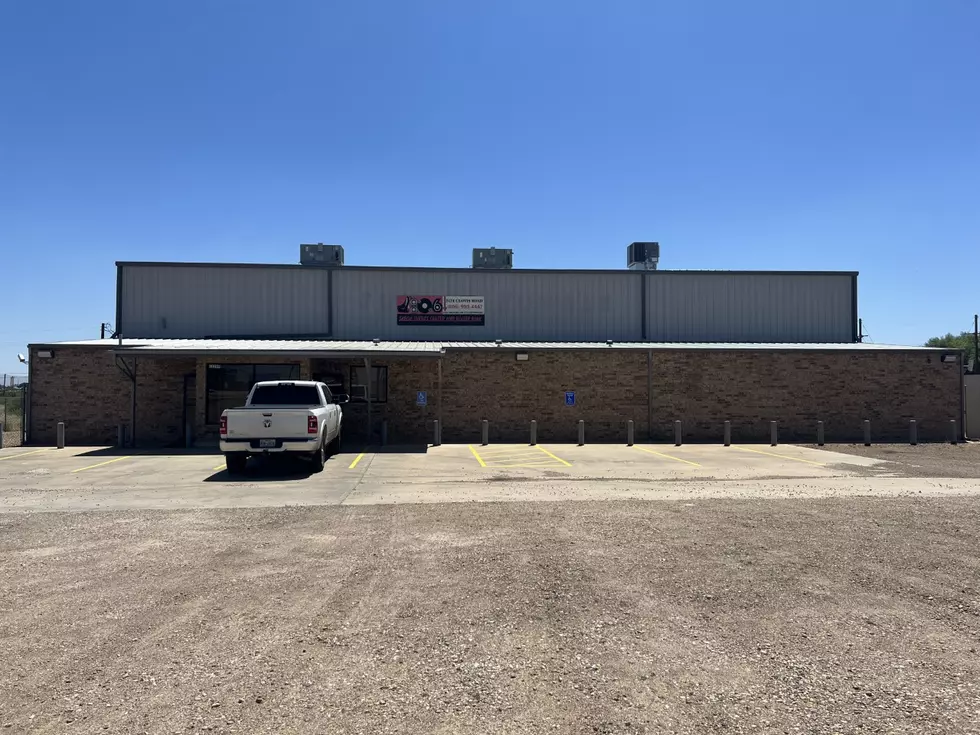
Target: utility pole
[(102, 330), (976, 346)]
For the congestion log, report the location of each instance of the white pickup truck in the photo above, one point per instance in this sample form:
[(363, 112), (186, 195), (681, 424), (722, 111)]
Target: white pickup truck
[(298, 416)]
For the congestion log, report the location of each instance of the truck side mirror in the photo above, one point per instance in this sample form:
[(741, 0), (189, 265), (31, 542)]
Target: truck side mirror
[(341, 398)]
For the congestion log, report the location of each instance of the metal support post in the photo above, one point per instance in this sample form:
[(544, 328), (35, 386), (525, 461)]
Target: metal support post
[(534, 432), (629, 433), (913, 433), (436, 439), (486, 432), (820, 433), (677, 433), (952, 432), (120, 435), (728, 433), (867, 433), (61, 435), (581, 432), (773, 434), (1, 435)]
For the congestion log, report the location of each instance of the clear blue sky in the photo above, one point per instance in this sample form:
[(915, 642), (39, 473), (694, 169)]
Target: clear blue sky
[(782, 135)]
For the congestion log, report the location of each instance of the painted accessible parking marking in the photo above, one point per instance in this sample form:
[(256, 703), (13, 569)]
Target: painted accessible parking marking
[(534, 457), (666, 456), (780, 456)]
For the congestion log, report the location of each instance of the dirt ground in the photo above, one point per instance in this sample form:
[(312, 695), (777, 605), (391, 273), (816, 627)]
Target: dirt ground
[(846, 615), (924, 460)]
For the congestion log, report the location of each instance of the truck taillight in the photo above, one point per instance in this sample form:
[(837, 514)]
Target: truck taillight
[(311, 425), (223, 426)]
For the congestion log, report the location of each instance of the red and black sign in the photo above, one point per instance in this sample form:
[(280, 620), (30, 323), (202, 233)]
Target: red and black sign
[(444, 310)]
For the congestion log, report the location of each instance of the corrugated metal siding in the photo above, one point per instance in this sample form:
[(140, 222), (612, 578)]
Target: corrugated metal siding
[(733, 307), (174, 301), (546, 306)]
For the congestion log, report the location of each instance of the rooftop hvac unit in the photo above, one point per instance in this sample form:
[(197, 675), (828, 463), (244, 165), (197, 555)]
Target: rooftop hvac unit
[(320, 254), (643, 256), (493, 258)]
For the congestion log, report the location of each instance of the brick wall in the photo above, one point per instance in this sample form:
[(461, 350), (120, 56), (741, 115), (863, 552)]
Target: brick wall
[(610, 387), (83, 387), (702, 388)]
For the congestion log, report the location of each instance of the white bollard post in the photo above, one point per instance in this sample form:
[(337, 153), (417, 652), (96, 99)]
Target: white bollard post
[(867, 433), (486, 432), (61, 435), (773, 436), (820, 433), (534, 432), (913, 433), (629, 433), (728, 433), (581, 432), (677, 433)]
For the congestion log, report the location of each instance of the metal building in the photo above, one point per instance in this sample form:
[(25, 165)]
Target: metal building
[(181, 300), (459, 345)]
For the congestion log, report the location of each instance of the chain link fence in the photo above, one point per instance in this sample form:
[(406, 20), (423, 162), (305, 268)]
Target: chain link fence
[(13, 409)]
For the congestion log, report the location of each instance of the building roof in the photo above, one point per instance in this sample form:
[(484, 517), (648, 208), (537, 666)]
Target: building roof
[(468, 269), (340, 348)]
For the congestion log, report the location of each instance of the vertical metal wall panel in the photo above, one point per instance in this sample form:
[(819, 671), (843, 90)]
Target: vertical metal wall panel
[(749, 307), (198, 301), (532, 305)]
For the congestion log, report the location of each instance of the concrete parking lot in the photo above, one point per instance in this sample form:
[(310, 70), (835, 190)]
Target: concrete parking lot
[(500, 589), (105, 478)]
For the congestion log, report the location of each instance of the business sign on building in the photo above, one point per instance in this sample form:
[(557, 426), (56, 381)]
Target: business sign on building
[(445, 310)]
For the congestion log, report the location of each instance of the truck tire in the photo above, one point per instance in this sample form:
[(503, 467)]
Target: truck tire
[(319, 457), (236, 462)]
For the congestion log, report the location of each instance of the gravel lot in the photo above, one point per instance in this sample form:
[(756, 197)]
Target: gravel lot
[(853, 615), (924, 460)]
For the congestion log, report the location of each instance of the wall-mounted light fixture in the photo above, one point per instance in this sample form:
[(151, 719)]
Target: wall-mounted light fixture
[(949, 358), (44, 353), (522, 357)]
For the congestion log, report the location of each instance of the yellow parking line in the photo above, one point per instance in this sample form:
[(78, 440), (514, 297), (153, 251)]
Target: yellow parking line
[(781, 456), (221, 466), (24, 454), (543, 463), (508, 457), (357, 459), (666, 456), (478, 457), (100, 464), (567, 464)]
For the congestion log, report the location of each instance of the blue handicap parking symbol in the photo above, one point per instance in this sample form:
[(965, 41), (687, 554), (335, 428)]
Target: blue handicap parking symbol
[(569, 398), (421, 399)]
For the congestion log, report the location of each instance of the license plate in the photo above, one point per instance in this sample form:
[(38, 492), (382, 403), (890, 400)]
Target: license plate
[(267, 443)]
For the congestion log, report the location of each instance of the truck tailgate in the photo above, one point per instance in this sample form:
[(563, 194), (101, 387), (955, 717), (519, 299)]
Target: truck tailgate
[(268, 423)]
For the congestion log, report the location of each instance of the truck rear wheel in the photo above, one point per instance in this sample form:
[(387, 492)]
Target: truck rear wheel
[(319, 457), (236, 462)]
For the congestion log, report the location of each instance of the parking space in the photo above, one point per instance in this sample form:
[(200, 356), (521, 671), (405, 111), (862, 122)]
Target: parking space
[(98, 478)]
